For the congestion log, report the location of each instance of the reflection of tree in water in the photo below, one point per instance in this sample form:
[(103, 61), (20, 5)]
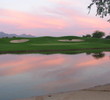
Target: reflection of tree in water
[(98, 55), (88, 53)]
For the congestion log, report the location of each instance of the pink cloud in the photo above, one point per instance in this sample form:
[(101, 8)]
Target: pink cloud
[(83, 20), (92, 22), (61, 19), (76, 19), (26, 20)]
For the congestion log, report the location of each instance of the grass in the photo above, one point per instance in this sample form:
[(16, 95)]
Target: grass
[(52, 43)]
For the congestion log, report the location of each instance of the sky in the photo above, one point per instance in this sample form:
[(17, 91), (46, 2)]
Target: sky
[(50, 18)]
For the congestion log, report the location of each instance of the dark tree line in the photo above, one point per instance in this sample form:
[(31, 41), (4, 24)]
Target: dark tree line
[(97, 34)]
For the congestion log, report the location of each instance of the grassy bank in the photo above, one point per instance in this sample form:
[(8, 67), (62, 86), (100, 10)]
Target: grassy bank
[(52, 44)]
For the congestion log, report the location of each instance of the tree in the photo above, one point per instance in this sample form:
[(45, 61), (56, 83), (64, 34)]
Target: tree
[(107, 37), (87, 36), (103, 7), (14, 37), (98, 34)]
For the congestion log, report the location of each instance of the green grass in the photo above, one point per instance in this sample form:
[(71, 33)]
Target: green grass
[(52, 43)]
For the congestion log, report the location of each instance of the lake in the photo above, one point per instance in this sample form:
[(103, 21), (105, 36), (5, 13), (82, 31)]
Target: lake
[(27, 75)]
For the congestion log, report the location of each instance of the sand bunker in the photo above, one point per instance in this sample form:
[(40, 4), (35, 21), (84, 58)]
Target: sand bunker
[(74, 40), (19, 41)]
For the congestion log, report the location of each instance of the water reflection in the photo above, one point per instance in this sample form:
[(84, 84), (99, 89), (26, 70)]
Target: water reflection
[(19, 64), (36, 74), (97, 55)]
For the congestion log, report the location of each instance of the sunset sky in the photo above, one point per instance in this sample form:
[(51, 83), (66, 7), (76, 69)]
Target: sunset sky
[(49, 17)]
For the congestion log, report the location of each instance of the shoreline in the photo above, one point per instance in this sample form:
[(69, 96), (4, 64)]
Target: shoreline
[(51, 50), (101, 92)]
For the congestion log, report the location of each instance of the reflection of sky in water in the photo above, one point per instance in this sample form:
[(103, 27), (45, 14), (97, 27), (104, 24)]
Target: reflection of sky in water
[(36, 74)]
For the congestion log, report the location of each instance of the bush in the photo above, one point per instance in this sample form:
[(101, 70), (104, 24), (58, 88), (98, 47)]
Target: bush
[(107, 37)]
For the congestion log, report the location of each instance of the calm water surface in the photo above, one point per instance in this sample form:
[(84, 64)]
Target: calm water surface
[(37, 74)]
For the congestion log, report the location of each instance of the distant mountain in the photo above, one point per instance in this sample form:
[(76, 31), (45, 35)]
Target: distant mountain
[(2, 34)]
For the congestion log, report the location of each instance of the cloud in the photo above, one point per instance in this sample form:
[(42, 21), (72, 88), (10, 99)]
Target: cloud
[(62, 17), (76, 18), (26, 20)]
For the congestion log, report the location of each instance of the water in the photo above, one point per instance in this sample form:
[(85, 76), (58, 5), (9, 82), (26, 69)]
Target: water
[(37, 74)]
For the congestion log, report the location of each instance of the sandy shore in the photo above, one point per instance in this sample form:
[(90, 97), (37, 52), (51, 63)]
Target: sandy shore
[(95, 93)]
